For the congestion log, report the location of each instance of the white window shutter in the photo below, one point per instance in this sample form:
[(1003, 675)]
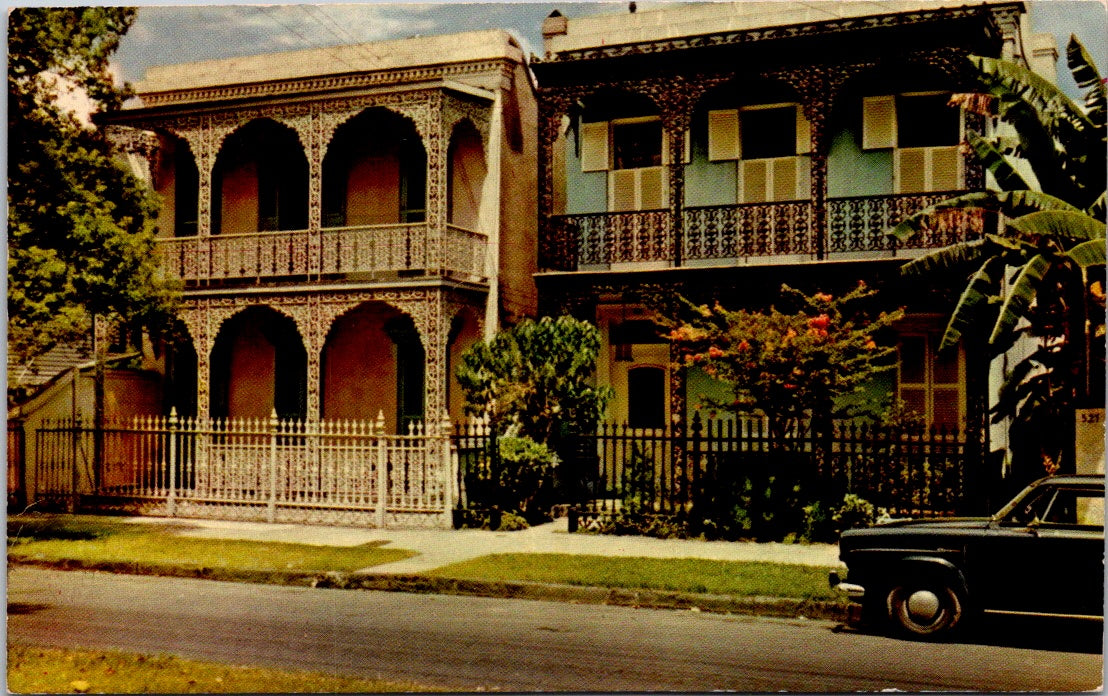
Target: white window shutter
[(945, 169), (723, 135), (621, 189), (753, 181), (594, 146), (878, 122), (652, 189), (911, 170), (803, 132)]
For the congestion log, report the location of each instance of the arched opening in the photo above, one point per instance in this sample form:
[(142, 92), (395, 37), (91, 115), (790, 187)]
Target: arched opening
[(260, 181), (466, 176), (177, 182), (373, 362), (375, 172), (259, 365), (179, 372), (464, 332)]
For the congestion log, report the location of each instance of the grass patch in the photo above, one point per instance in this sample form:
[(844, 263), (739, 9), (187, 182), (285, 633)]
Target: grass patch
[(736, 578), (54, 671), (92, 540)]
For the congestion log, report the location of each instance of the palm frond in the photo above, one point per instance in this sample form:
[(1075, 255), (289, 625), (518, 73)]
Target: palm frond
[(1044, 96)]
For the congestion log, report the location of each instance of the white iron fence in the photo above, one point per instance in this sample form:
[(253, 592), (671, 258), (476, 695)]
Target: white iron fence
[(276, 470)]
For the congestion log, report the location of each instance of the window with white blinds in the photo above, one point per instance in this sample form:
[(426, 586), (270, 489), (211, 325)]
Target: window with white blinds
[(923, 133)]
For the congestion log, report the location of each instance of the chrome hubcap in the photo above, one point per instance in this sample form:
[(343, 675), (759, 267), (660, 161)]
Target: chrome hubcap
[(923, 605)]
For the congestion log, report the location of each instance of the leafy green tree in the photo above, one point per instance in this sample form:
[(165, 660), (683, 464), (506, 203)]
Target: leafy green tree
[(538, 374), (1037, 276), (80, 240), (788, 365)]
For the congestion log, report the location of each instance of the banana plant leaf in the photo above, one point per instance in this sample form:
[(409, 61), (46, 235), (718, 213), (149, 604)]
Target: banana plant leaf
[(1087, 254), (1012, 204), (980, 293), (1088, 79), (998, 165), (1020, 296), (1060, 225)]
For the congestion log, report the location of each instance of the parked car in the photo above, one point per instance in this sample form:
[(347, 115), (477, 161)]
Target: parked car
[(1042, 554)]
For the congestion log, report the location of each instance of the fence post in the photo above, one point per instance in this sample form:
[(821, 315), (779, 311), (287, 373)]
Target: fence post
[(75, 435), (382, 469), (171, 501), (271, 515), (449, 475)]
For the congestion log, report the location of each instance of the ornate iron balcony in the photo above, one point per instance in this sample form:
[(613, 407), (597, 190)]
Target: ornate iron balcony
[(758, 232), (388, 250)]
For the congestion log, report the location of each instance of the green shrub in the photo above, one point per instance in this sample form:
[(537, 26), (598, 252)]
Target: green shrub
[(524, 476), (854, 513)]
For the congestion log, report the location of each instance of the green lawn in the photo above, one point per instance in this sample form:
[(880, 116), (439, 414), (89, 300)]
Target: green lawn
[(91, 540), (53, 671), (745, 579)]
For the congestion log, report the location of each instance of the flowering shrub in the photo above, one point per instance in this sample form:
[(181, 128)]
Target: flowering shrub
[(787, 365)]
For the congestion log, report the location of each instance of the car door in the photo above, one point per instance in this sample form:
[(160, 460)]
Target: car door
[(1070, 546), (1044, 556)]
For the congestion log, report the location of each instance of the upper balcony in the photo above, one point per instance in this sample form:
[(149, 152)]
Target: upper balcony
[(754, 233), (367, 252), (750, 180), (365, 214)]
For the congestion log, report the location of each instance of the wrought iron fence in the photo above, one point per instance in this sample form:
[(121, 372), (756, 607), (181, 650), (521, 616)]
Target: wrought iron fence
[(861, 224), (253, 468), (706, 476), (720, 467)]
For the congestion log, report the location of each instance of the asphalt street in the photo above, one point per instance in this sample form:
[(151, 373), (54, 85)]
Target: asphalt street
[(467, 643)]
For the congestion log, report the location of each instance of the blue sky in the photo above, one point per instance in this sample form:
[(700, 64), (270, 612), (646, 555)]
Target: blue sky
[(177, 33)]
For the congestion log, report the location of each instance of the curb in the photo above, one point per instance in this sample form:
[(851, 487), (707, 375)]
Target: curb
[(779, 607)]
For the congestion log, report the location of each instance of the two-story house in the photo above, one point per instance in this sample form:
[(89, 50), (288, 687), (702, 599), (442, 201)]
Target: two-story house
[(719, 150), (345, 222)]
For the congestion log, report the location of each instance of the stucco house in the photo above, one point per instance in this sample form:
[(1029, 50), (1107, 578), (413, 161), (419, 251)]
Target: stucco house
[(719, 150), (345, 221)]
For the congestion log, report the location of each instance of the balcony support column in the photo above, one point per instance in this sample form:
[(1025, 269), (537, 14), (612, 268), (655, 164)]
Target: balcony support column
[(555, 250), (436, 142), (818, 87)]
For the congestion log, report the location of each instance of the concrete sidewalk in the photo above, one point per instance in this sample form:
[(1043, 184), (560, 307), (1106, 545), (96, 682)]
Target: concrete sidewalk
[(439, 547)]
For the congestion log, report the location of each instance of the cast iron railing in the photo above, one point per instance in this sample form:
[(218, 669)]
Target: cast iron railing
[(756, 231)]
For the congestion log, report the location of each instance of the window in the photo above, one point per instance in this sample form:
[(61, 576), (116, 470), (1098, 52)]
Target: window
[(636, 144), (930, 384), (1064, 506), (769, 132), (767, 141), (646, 397), (923, 133), (413, 181), (925, 120)]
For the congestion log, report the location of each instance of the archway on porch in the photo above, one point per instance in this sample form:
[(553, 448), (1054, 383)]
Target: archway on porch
[(373, 362), (259, 365)]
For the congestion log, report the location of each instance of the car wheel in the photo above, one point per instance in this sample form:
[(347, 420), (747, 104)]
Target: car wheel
[(924, 608)]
